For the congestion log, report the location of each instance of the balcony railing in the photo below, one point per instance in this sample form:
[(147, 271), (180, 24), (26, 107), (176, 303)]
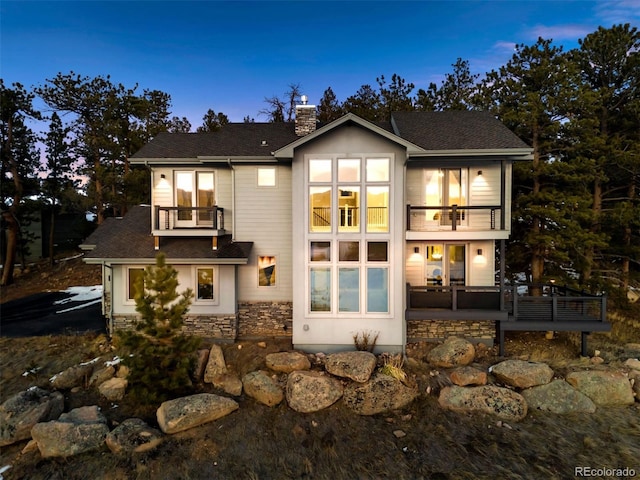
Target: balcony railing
[(176, 218), (349, 216), (434, 218)]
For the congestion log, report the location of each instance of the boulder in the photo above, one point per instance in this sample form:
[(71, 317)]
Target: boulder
[(101, 375), (634, 379), (632, 363), (81, 430), (113, 389), (310, 391), (188, 412), (287, 362), (358, 365), (75, 376), (501, 402), (522, 374), (603, 387), (215, 364), (558, 397), (261, 387), (464, 376), (381, 393), (19, 413), (454, 352), (201, 364), (133, 436), (228, 383)]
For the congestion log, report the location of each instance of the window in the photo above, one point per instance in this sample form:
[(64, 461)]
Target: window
[(349, 209), (349, 251), (266, 271), (135, 276), (349, 289), (378, 209), (320, 282), (205, 289), (320, 251), (267, 177), (195, 189), (446, 187), (320, 209)]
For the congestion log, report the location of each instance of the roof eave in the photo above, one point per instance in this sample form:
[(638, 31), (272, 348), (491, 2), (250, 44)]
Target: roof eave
[(177, 261), (516, 153)]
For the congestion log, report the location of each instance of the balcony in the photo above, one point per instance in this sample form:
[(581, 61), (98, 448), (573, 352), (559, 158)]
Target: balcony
[(452, 217), (188, 221)]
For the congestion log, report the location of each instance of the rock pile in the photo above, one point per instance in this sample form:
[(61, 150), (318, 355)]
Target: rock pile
[(308, 383)]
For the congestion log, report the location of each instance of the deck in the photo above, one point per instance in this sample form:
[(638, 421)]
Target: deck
[(514, 308)]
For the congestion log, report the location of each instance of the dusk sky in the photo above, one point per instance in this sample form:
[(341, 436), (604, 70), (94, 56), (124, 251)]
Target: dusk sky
[(229, 56)]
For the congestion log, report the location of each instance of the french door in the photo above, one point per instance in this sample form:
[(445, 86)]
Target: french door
[(194, 189), (445, 264)]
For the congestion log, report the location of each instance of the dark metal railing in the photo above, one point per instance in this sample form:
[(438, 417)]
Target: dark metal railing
[(444, 215), (170, 218)]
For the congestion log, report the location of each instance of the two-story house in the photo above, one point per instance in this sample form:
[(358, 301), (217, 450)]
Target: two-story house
[(323, 232)]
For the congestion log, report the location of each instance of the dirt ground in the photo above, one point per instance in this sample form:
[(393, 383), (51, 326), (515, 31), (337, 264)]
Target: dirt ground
[(259, 442)]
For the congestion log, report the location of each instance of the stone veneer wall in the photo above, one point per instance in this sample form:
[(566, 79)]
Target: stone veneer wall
[(207, 326), (483, 331), (265, 319)]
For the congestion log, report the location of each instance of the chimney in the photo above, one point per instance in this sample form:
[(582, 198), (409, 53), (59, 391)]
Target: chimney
[(305, 118)]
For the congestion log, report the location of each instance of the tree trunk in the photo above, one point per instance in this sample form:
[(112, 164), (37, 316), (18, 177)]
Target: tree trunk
[(537, 251), (12, 247), (51, 236)]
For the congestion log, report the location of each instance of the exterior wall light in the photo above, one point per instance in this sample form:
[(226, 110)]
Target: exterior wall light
[(479, 251), (479, 172), (416, 249)]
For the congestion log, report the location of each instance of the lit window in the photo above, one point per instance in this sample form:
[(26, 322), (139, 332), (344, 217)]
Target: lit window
[(267, 177), (266, 271), (378, 209), (320, 209), (377, 169), (320, 170), (135, 281), (205, 283), (348, 169)]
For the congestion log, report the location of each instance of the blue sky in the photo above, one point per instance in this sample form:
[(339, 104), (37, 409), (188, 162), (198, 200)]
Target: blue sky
[(229, 56)]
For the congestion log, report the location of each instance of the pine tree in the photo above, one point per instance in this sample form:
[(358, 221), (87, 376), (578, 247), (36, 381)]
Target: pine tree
[(161, 358)]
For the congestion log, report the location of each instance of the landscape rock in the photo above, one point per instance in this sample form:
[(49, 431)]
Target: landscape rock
[(75, 376), (261, 387), (113, 389), (357, 365), (19, 413), (188, 412), (454, 352), (101, 375), (201, 364), (133, 436), (287, 362), (634, 379), (603, 387), (123, 371), (215, 364), (228, 383), (558, 397), (310, 391), (632, 363), (522, 374), (464, 376), (381, 393), (81, 430), (501, 402)]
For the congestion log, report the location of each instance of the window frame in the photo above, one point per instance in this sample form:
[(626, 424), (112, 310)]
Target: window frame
[(216, 285), (128, 299)]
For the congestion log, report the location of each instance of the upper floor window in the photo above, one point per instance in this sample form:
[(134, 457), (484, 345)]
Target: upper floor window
[(195, 189), (266, 177)]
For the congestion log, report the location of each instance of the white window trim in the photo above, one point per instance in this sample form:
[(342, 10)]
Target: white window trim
[(216, 285), (125, 283), (275, 177)]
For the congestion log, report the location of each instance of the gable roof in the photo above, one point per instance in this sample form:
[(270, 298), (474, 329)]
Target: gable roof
[(422, 133), (127, 240)]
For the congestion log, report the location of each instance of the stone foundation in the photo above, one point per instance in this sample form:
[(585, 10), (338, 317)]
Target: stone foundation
[(265, 319), (206, 326), (472, 330)]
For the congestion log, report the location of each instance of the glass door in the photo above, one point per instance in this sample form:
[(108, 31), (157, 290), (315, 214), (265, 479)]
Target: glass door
[(194, 189), (445, 264)]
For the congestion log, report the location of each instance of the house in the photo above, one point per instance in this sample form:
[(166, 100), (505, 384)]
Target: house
[(323, 232)]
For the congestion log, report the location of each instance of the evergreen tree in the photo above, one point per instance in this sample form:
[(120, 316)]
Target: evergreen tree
[(329, 108), (179, 125), (366, 103), (213, 121), (161, 357), (456, 92), (396, 97)]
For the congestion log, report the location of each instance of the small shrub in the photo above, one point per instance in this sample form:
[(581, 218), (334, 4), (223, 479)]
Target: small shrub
[(393, 366), (365, 341)]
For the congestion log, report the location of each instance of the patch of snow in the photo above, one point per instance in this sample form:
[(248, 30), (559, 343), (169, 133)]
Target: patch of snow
[(81, 294), (33, 371), (4, 469), (116, 361), (90, 362)]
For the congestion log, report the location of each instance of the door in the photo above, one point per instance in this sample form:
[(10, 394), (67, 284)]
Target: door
[(194, 189), (445, 264)]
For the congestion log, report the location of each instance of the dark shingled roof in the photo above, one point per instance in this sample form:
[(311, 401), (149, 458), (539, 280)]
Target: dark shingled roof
[(130, 237), (455, 130), (452, 130)]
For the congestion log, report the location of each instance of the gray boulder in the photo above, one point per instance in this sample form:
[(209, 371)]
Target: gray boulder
[(228, 383), (358, 366), (215, 364), (75, 376), (19, 413), (101, 375), (454, 352), (287, 362), (113, 389), (188, 412), (501, 402), (81, 430), (310, 391), (133, 436), (522, 374), (381, 393), (558, 397), (603, 387), (260, 386)]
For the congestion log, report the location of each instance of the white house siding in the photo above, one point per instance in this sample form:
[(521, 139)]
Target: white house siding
[(263, 216), (484, 190), (333, 331)]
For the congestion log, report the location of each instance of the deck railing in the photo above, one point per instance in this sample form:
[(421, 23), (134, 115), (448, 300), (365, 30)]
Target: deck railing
[(478, 217), (171, 218)]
